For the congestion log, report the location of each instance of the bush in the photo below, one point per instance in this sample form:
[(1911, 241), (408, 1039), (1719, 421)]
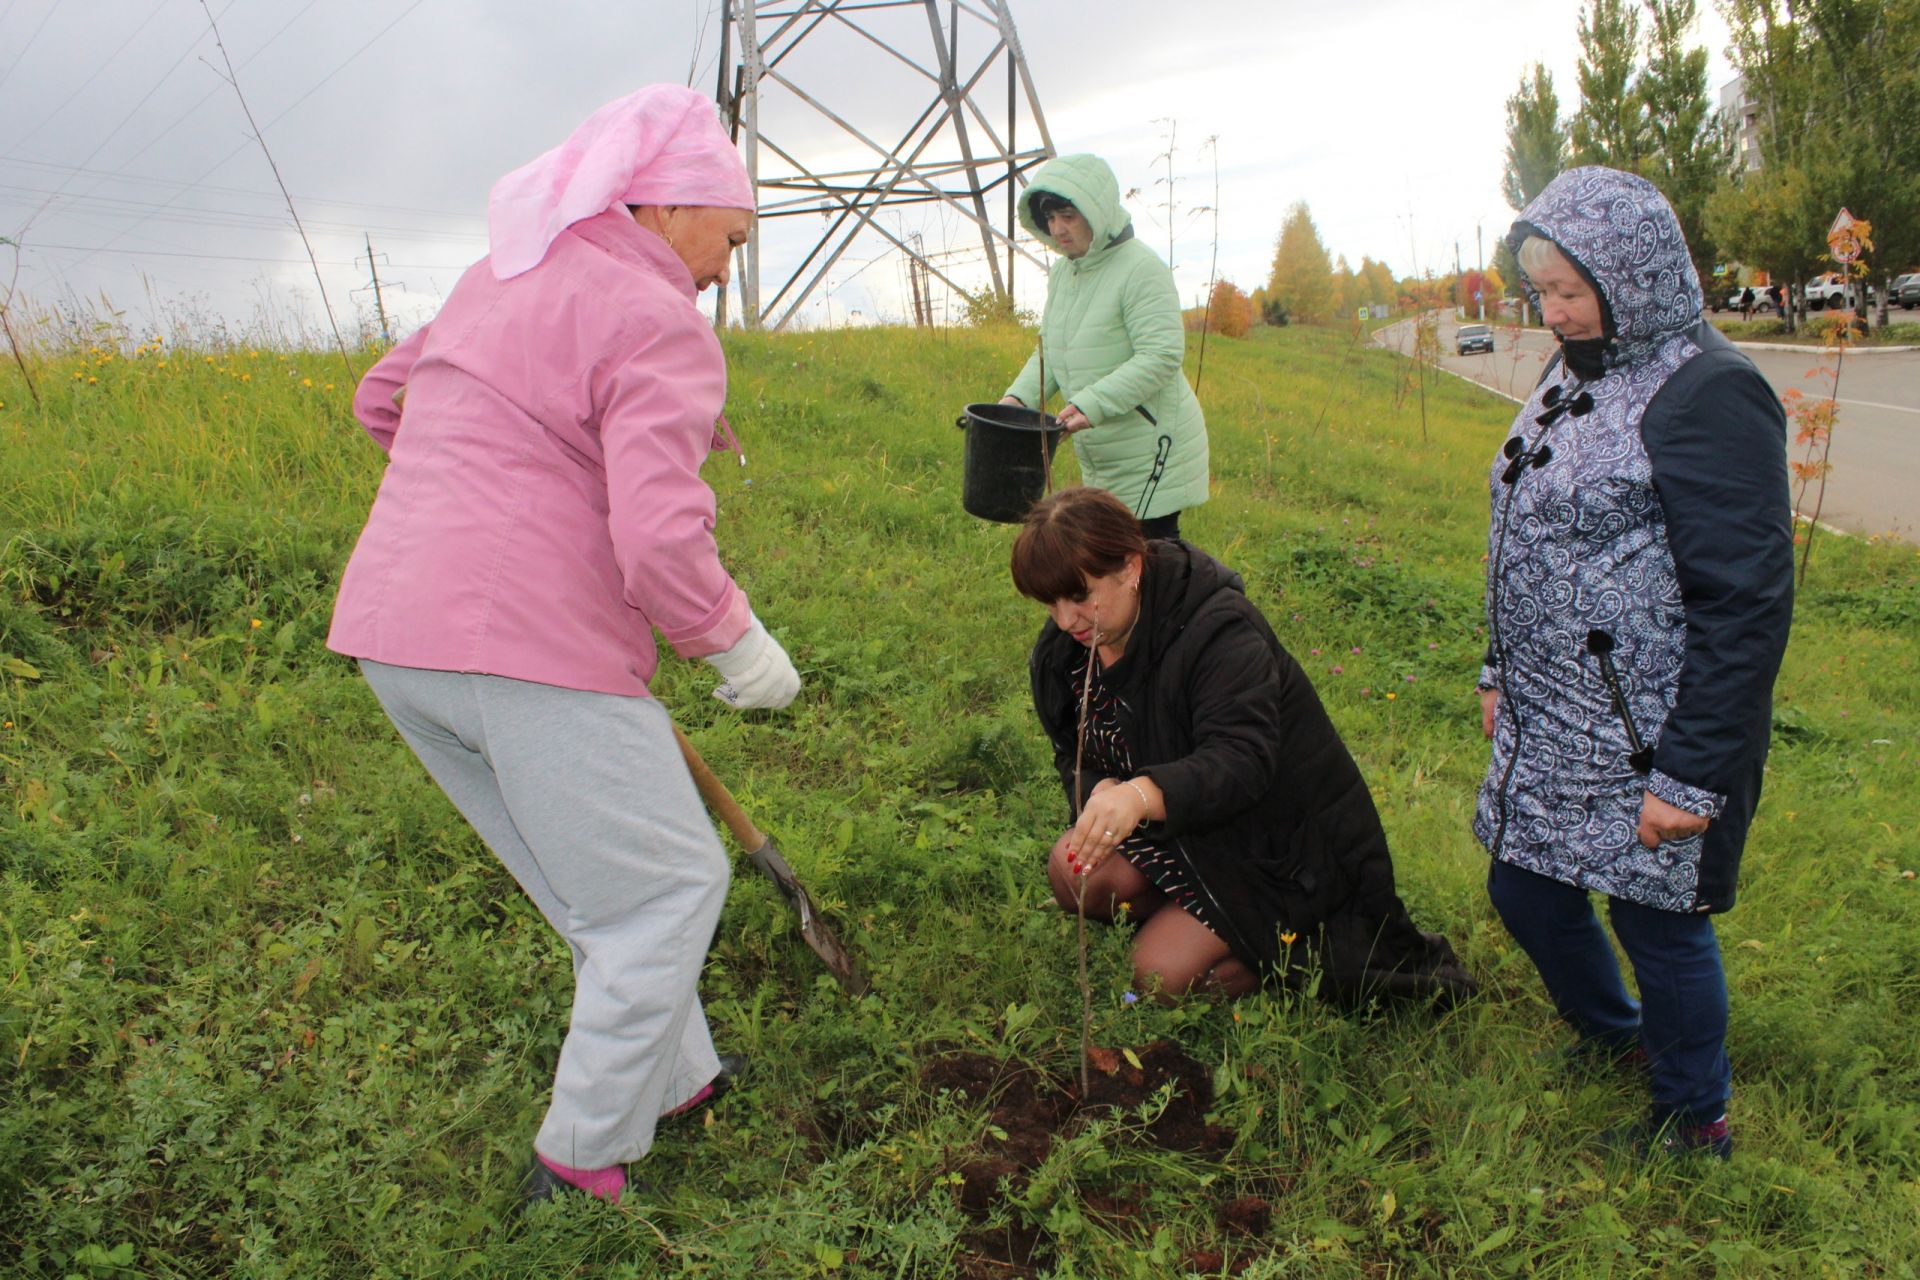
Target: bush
[(989, 308)]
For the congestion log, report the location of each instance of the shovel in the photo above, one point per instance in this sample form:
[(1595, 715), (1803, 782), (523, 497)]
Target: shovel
[(762, 853)]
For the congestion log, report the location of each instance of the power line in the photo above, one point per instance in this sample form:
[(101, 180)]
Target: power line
[(97, 72), (112, 133), (249, 192), (261, 132), (15, 65), (180, 119), (148, 211)]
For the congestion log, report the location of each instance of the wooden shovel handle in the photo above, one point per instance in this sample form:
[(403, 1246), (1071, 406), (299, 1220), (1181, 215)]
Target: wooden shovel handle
[(718, 798)]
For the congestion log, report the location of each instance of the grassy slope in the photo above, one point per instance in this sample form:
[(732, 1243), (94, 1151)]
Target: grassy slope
[(270, 1009)]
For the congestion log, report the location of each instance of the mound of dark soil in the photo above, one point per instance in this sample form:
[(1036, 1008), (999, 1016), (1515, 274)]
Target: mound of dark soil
[(1032, 1107)]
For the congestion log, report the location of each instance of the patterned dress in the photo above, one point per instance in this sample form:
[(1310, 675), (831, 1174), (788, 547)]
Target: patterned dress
[(1109, 756)]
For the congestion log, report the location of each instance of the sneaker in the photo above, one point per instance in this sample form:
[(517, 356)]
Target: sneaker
[(1673, 1139), (543, 1183), (732, 1067)]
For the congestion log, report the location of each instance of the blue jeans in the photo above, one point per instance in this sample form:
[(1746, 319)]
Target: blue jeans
[(1681, 1017)]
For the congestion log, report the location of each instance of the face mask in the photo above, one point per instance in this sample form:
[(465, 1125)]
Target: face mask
[(1586, 356)]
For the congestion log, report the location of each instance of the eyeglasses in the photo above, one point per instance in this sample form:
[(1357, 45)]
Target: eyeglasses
[(1519, 457)]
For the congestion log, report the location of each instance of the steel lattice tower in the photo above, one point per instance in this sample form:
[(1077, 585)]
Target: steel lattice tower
[(961, 150)]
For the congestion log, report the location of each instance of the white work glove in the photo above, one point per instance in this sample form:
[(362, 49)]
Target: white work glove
[(759, 675)]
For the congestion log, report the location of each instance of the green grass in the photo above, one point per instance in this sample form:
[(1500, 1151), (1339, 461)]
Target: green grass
[(270, 1009)]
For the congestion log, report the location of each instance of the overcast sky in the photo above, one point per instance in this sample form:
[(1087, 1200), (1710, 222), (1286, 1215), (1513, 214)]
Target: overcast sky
[(129, 173)]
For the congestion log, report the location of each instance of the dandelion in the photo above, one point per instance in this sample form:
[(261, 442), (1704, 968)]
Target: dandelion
[(161, 365), (93, 382), (9, 724), (307, 382), (246, 377), (329, 387), (253, 623), (1392, 696)]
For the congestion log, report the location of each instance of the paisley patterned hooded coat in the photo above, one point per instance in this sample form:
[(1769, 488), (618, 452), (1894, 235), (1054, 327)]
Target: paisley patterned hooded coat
[(1639, 573)]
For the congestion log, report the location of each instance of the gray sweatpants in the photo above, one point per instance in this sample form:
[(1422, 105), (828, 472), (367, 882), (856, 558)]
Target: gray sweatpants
[(586, 800)]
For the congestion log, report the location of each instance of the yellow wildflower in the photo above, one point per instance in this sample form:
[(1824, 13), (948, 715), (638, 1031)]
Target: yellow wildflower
[(1392, 696), (254, 623), (1289, 937), (306, 382)]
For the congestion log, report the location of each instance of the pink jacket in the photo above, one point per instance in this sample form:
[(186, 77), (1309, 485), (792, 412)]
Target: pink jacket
[(543, 510)]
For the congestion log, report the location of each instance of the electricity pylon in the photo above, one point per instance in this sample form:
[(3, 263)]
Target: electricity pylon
[(804, 64)]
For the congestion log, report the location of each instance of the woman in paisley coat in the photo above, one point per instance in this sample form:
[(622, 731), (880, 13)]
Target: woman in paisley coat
[(1639, 590)]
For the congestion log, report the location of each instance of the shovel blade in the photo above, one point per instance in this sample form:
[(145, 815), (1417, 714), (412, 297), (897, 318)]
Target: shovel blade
[(813, 927)]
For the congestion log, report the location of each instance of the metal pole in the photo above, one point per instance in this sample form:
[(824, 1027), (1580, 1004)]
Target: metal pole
[(750, 122), (730, 116), (379, 305)]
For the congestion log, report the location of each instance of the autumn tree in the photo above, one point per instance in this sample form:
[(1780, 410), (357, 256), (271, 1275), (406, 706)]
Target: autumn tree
[(1610, 125), (1301, 283), (1377, 281), (1229, 311), (1349, 294)]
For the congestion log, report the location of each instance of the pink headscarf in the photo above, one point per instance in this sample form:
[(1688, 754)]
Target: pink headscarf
[(659, 145)]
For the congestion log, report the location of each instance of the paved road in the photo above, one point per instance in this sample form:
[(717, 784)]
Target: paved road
[(1875, 483)]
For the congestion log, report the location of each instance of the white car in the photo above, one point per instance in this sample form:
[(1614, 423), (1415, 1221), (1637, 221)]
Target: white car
[(1832, 292)]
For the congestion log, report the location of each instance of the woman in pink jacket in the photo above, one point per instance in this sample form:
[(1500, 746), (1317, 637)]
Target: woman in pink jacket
[(542, 513)]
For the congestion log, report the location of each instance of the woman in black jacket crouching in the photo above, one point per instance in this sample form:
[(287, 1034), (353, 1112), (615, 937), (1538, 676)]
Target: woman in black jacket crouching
[(1246, 837)]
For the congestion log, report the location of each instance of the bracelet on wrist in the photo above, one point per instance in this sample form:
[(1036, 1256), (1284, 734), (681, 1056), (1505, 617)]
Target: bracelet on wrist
[(1143, 798)]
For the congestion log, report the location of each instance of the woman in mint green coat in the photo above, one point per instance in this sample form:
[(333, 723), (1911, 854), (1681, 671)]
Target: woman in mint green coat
[(1113, 340)]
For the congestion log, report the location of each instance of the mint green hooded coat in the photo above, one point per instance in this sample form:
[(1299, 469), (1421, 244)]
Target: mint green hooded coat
[(1113, 340)]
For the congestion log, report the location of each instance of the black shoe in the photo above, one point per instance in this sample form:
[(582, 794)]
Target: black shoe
[(1673, 1139), (542, 1184), (732, 1067)]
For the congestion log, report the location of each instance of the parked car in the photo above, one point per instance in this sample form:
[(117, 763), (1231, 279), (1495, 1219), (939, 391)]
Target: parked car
[(1474, 337), (1833, 292), (1906, 290)]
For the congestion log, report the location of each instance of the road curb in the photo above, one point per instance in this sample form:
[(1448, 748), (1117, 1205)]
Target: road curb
[(1821, 351)]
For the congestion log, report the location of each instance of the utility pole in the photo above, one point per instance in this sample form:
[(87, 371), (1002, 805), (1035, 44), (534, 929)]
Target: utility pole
[(952, 158), (1480, 248), (379, 302), (1459, 311)]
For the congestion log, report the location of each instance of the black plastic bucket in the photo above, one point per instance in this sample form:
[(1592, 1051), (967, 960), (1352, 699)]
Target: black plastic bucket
[(1009, 450)]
